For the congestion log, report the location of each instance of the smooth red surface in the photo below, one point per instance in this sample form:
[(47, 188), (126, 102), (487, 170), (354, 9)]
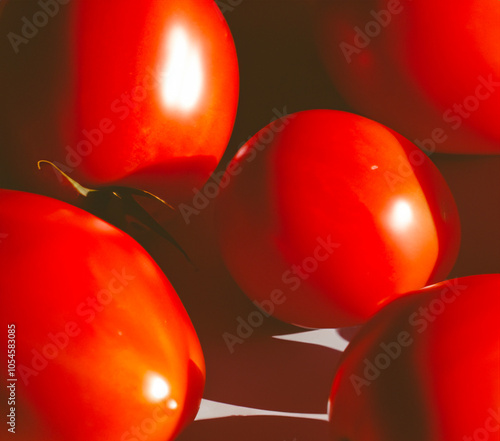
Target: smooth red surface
[(56, 257), (136, 93), (444, 383), (423, 69), (341, 178)]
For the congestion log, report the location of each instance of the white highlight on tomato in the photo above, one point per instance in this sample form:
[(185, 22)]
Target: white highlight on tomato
[(155, 387), (172, 404), (401, 215), (182, 71)]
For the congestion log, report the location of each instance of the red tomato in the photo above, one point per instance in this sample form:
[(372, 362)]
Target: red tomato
[(426, 367), (136, 93), (329, 215), (435, 81), (104, 349)]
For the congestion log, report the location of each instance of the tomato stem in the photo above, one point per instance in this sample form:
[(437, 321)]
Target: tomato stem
[(84, 191), (98, 201)]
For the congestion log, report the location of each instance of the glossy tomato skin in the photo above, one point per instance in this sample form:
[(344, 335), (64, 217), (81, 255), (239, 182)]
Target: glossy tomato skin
[(424, 368), (104, 348), (329, 215), (141, 94), (435, 80)]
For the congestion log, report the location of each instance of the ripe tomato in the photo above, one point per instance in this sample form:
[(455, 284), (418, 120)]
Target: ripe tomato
[(135, 93), (426, 367), (329, 215), (103, 348), (434, 81)]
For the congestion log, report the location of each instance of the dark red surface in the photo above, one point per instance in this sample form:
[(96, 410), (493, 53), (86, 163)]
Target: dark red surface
[(405, 369)]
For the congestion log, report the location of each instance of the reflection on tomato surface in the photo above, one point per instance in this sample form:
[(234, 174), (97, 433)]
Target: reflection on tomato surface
[(138, 94), (104, 349), (405, 64), (332, 215)]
